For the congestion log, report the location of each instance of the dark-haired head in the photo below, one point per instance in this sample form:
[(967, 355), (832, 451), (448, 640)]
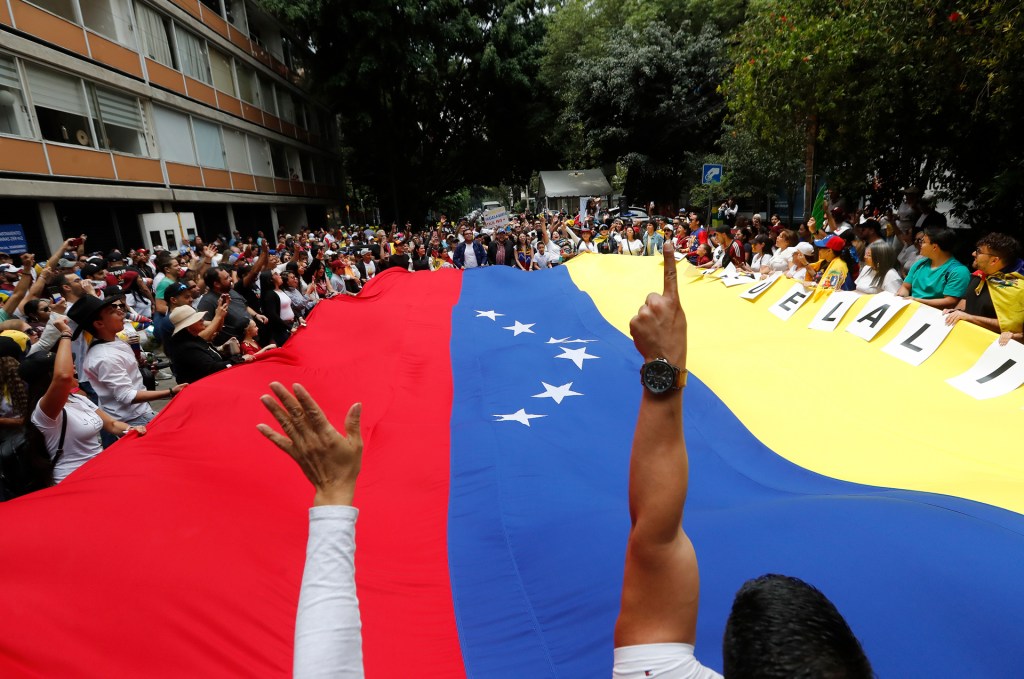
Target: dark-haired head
[(942, 237), (781, 627)]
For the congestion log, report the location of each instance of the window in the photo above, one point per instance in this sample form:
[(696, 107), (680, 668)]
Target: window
[(173, 135), (259, 154), (62, 8), (238, 155), (286, 105), (313, 117), (209, 144), (13, 114), (155, 30), (192, 55), (235, 14), (247, 84), (109, 18), (120, 122), (307, 167), (278, 160), (212, 4), (60, 106), (223, 74), (267, 100)]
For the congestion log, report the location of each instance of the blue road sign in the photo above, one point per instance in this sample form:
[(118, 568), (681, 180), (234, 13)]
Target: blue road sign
[(712, 174)]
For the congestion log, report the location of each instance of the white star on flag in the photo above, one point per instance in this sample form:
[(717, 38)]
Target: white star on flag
[(557, 393), (520, 328), (519, 416), (566, 340), (487, 314), (577, 356)]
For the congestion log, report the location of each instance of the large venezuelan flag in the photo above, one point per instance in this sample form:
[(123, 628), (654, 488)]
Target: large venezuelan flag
[(498, 413)]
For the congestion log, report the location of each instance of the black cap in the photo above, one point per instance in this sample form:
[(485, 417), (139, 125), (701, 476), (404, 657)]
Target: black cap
[(86, 310), (173, 290)]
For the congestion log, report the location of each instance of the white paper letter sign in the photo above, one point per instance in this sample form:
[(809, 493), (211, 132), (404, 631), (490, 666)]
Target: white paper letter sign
[(832, 311), (755, 291), (790, 302), (876, 315), (920, 337), (999, 371)]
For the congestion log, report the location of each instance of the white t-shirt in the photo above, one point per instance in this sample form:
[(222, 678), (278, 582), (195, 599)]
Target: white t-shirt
[(757, 261), (866, 278), (797, 273), (664, 661), (584, 246), (470, 257), (82, 440), (287, 313), (543, 258), (632, 247), (907, 257), (114, 373), (781, 260)]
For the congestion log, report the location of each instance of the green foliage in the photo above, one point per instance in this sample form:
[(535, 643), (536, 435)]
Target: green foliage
[(908, 91), (433, 94)]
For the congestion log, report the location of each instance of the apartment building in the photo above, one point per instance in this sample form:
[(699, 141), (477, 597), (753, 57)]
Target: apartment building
[(149, 121)]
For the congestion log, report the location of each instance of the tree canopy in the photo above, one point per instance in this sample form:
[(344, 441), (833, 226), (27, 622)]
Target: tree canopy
[(439, 95)]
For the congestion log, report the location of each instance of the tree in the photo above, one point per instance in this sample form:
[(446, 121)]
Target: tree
[(647, 100), (433, 95)]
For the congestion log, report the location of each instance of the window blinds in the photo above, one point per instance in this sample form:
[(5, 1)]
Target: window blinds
[(56, 91)]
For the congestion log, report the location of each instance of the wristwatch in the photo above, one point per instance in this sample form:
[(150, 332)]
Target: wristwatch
[(659, 376)]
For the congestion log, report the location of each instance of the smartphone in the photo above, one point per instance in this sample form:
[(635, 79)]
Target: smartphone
[(225, 298), (57, 299), (75, 242)]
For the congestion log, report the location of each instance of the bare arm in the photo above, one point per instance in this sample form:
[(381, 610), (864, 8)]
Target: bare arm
[(660, 587), (954, 315), (14, 301), (214, 326), (63, 379), (250, 277), (940, 302), (54, 259)]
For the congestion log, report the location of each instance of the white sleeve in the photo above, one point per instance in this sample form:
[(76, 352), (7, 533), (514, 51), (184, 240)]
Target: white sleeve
[(328, 639), (667, 661)]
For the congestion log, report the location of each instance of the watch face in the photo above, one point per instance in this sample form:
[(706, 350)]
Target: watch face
[(659, 376)]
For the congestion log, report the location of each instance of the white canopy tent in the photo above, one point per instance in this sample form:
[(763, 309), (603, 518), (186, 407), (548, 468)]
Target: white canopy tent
[(573, 184)]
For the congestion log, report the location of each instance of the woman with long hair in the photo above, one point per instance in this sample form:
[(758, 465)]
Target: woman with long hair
[(37, 313), (277, 307), (524, 253), (631, 245), (761, 254), (880, 271), (63, 420)]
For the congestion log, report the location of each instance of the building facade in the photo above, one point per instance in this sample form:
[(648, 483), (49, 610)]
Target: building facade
[(144, 122)]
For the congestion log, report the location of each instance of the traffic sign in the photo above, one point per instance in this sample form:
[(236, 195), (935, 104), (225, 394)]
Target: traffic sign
[(712, 174)]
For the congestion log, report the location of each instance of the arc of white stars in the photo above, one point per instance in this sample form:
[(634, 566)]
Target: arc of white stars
[(557, 393), (577, 356), (520, 328), (520, 416), (487, 314)]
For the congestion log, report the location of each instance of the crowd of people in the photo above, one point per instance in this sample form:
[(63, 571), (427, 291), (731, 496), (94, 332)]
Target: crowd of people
[(75, 330)]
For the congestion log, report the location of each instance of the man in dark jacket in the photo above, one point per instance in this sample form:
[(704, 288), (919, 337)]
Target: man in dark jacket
[(501, 251), (190, 354), (477, 255)]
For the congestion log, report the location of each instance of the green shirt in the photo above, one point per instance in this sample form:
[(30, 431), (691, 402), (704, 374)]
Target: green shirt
[(165, 283), (949, 280)]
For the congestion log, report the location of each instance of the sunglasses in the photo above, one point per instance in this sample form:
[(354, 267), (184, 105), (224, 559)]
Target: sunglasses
[(119, 306)]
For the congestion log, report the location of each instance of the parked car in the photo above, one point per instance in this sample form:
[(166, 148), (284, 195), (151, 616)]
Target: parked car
[(637, 214)]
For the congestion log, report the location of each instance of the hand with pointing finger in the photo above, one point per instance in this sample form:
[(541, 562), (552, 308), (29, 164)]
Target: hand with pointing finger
[(329, 460), (659, 327)]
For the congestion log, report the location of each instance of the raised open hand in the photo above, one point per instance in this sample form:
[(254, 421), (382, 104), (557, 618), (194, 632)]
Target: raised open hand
[(329, 460)]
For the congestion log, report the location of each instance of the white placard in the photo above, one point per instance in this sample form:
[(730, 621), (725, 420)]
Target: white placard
[(876, 314), (738, 279), (790, 302), (708, 272), (920, 337), (999, 371), (729, 271), (756, 291), (832, 311)]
